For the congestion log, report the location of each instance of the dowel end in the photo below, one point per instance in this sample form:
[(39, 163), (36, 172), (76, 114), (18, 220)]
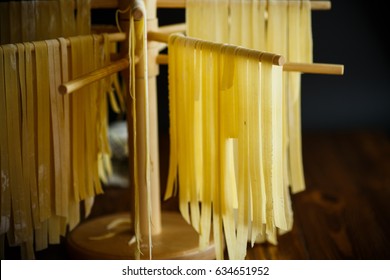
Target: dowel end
[(341, 70), (137, 13), (278, 60), (63, 89)]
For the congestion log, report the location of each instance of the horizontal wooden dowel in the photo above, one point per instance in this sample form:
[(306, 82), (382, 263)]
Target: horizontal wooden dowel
[(93, 76), (308, 68), (98, 74), (173, 28), (113, 37), (321, 5), (158, 36), (314, 68), (117, 37), (162, 59), (171, 3), (315, 5), (277, 59)]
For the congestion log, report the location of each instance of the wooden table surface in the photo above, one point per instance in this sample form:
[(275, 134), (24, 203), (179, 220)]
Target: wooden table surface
[(344, 213)]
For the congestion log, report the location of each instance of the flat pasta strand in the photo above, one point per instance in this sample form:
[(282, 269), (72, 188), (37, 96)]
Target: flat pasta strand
[(4, 154)]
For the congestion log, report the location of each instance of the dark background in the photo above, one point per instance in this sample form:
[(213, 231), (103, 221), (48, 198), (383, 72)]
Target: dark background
[(352, 33)]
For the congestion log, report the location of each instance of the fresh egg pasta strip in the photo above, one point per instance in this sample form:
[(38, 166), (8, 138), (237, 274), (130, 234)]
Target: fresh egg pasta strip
[(173, 156), (75, 119), (88, 56), (228, 130), (306, 33), (215, 133), (255, 146), (83, 22), (181, 129), (65, 128), (18, 192), (31, 133), (192, 140), (235, 29), (243, 168), (41, 236), (55, 128), (302, 52), (60, 199), (24, 139), (95, 93), (43, 129), (277, 153), (259, 25), (67, 20), (201, 132), (4, 155), (267, 129)]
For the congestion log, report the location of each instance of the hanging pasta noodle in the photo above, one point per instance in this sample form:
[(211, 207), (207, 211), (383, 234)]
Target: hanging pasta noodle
[(43, 140), (57, 142), (85, 182), (300, 50), (240, 189), (50, 144), (282, 27), (27, 245), (4, 154), (31, 136)]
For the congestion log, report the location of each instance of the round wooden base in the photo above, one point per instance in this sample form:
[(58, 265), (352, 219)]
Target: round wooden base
[(178, 240)]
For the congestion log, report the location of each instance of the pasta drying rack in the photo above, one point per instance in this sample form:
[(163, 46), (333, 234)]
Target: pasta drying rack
[(172, 237)]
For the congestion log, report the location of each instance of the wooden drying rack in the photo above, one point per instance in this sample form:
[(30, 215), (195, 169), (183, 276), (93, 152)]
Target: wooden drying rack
[(172, 237)]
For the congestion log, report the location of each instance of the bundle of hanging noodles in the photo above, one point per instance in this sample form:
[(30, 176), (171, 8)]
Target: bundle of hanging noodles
[(235, 123)]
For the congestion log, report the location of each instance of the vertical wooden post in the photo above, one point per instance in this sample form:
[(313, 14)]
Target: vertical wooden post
[(153, 161), (153, 71)]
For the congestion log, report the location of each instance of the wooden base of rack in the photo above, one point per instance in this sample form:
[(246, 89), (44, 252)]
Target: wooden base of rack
[(178, 240)]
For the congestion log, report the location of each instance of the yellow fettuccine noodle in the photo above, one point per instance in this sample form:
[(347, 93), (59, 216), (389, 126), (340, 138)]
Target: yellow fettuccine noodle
[(226, 147), (50, 144), (282, 27)]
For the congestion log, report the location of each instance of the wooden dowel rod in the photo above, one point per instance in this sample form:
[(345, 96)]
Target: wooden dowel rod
[(158, 36), (314, 68), (171, 3), (113, 37), (173, 28), (117, 37), (164, 37), (309, 68), (315, 5), (162, 59), (161, 37), (321, 5), (93, 76)]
